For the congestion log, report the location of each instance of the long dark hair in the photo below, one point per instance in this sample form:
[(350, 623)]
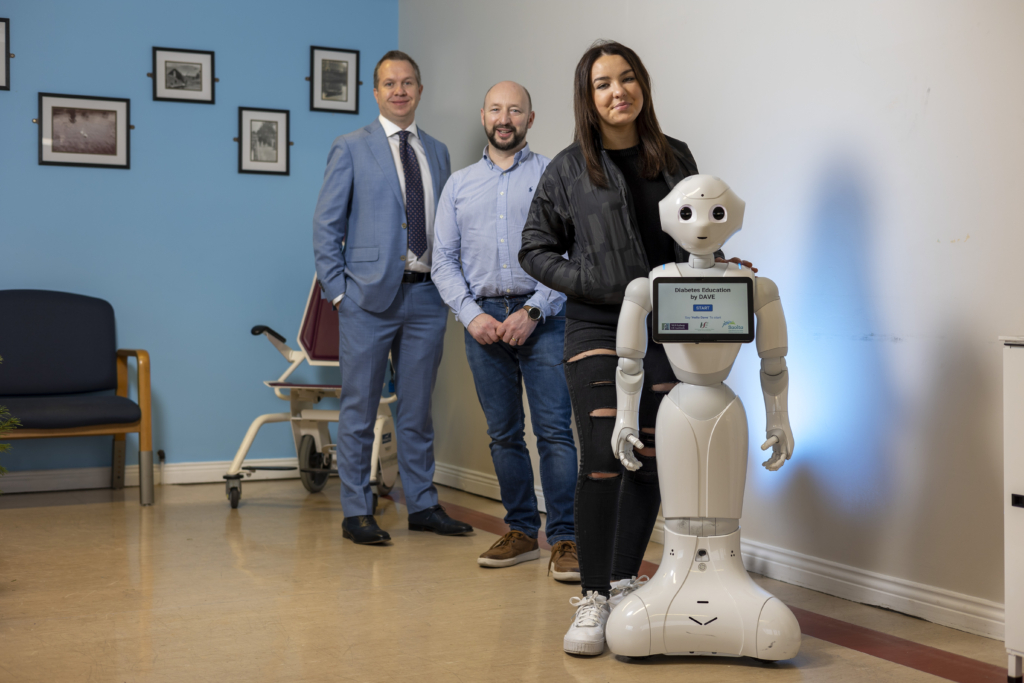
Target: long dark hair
[(655, 152)]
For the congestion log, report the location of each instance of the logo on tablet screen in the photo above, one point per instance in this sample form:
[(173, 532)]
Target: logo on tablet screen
[(731, 324), (675, 326)]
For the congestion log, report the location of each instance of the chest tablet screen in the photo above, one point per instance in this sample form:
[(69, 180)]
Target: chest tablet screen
[(703, 309)]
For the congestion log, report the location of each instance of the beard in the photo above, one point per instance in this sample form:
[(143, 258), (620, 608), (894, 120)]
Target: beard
[(517, 137)]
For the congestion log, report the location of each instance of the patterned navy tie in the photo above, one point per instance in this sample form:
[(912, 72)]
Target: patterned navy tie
[(415, 215)]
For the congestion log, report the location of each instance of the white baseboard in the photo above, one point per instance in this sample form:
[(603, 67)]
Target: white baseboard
[(956, 610), (174, 473), (937, 605), (940, 606), (473, 481)]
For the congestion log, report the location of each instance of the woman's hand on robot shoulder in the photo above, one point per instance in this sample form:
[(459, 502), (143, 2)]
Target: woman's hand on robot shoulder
[(737, 260)]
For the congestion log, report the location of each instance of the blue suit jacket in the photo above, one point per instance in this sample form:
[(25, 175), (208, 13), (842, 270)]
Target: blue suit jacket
[(358, 238)]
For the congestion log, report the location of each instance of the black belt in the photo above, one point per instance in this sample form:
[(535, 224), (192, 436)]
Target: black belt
[(413, 276)]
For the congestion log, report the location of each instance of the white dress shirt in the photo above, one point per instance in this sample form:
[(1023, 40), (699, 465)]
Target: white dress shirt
[(419, 264)]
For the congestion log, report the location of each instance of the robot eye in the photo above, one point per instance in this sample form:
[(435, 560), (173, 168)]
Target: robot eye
[(686, 213), (718, 214)]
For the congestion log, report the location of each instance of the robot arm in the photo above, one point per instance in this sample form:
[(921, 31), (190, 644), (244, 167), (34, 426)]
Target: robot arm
[(772, 346), (631, 347)]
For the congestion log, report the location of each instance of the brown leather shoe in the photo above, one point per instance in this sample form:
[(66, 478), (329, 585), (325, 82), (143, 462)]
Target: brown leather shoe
[(565, 566), (512, 548)]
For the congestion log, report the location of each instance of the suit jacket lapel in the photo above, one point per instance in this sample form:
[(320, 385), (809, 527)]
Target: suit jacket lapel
[(381, 148)]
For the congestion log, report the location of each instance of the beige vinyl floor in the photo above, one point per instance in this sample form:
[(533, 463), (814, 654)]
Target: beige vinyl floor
[(94, 588)]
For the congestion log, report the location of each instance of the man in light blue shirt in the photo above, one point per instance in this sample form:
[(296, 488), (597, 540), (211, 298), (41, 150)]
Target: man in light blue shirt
[(515, 328)]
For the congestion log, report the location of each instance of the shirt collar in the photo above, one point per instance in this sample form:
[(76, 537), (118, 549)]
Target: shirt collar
[(519, 158), (391, 128)]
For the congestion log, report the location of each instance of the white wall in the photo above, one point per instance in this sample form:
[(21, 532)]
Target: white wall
[(880, 149)]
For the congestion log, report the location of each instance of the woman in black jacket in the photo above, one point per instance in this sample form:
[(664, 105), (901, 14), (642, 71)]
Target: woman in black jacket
[(598, 202)]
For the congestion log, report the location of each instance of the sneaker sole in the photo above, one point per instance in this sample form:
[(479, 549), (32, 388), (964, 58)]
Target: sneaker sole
[(564, 577), (574, 647), (521, 557)]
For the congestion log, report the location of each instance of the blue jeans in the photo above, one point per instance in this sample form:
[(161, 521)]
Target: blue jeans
[(499, 371)]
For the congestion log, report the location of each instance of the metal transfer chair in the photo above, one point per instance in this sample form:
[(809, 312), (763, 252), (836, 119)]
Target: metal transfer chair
[(318, 345)]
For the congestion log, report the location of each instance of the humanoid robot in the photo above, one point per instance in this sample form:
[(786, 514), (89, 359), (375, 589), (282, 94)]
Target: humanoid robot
[(701, 601)]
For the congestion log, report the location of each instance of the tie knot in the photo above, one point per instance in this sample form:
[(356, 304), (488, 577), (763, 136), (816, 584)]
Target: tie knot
[(403, 136)]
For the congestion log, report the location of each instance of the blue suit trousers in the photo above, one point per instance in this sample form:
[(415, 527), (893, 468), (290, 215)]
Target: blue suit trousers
[(412, 329)]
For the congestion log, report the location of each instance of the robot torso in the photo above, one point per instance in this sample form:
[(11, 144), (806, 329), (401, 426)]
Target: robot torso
[(708, 363)]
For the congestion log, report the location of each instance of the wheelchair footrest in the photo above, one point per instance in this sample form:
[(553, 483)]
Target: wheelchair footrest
[(270, 467)]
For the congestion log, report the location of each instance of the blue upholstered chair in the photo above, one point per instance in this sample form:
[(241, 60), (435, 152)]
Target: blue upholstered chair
[(60, 352)]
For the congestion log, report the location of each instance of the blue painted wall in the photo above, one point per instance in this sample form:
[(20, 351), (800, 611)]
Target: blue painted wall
[(190, 253)]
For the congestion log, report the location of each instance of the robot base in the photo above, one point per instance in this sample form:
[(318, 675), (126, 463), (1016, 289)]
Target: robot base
[(701, 601)]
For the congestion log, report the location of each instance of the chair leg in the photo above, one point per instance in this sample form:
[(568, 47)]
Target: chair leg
[(117, 465), (146, 477)]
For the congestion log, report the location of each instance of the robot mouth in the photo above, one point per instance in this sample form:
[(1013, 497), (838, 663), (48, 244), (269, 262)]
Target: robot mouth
[(702, 238)]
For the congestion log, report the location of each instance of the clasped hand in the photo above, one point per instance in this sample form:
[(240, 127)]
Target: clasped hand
[(516, 329)]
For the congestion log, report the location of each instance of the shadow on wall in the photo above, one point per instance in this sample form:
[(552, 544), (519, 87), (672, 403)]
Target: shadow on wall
[(842, 403)]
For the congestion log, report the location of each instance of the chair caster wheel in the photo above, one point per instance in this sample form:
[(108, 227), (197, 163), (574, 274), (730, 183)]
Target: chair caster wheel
[(234, 495)]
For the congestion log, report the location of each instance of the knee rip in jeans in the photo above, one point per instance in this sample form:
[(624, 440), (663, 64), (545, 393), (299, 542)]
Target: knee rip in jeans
[(597, 476), (602, 412), (664, 387), (603, 383), (592, 352)]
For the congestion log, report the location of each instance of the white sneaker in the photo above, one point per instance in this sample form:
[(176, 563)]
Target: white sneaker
[(622, 588), (586, 635)]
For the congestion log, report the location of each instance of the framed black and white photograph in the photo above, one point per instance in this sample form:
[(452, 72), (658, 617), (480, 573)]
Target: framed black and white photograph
[(84, 131), (334, 80), (263, 141), (5, 50), (183, 75)]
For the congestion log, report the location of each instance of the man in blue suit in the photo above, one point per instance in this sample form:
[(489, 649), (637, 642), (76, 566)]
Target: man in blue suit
[(372, 239)]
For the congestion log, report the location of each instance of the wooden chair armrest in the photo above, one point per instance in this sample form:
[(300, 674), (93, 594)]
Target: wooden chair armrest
[(145, 392)]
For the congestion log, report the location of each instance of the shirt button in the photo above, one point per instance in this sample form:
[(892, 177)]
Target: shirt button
[(509, 289), (504, 265), (501, 193), (501, 216), (502, 239)]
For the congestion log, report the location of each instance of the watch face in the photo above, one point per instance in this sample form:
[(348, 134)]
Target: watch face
[(534, 313)]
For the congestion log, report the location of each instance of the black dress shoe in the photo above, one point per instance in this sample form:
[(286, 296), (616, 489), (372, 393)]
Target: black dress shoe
[(363, 529), (437, 520)]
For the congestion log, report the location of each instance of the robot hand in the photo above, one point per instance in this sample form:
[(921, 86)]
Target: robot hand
[(780, 440), (624, 439)]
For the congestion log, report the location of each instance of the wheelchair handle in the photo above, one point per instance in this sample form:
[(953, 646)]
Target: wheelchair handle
[(260, 329)]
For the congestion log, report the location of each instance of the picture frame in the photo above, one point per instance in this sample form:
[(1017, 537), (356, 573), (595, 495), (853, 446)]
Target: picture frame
[(333, 80), (263, 141), (183, 76), (76, 130), (5, 50)]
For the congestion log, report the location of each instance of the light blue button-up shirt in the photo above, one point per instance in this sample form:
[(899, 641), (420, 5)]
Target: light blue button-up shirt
[(479, 224)]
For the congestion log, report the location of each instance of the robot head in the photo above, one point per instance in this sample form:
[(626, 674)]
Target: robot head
[(701, 213)]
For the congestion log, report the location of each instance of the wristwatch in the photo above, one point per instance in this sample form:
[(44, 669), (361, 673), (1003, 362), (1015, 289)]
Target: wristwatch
[(533, 312)]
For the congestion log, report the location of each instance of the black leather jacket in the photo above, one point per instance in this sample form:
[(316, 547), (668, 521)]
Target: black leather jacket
[(596, 226)]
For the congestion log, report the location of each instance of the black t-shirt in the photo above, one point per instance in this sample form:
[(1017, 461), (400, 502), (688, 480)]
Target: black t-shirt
[(658, 245)]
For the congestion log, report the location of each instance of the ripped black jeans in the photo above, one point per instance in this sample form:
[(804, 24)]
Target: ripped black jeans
[(614, 515)]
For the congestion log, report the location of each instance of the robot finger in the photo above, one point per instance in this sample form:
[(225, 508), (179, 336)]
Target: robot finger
[(772, 441), (628, 460), (637, 443)]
